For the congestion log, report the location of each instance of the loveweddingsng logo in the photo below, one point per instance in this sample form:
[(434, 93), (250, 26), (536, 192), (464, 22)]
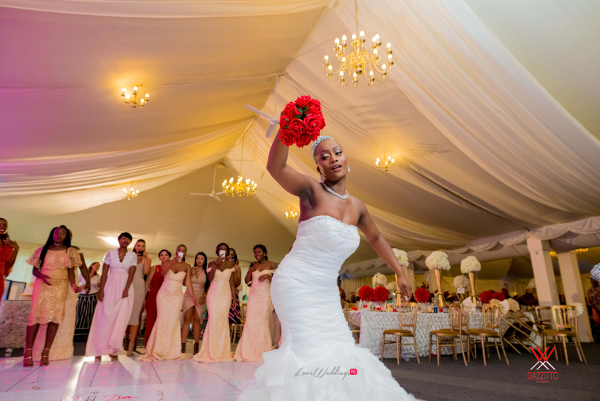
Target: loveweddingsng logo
[(320, 373), (542, 362)]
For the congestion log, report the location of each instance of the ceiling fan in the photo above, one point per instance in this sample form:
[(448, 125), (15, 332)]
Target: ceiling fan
[(273, 121), (212, 193)]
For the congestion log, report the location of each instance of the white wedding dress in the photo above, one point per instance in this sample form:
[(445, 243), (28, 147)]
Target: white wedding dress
[(318, 351)]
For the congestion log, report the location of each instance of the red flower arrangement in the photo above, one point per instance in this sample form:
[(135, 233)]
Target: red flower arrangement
[(365, 293), (301, 122), (505, 292), (380, 294), (486, 297), (422, 295), (499, 296)]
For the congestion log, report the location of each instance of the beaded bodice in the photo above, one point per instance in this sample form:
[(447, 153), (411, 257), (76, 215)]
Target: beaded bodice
[(327, 223)]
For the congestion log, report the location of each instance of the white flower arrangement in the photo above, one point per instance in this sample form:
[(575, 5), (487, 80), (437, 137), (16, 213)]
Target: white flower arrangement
[(468, 305), (392, 286), (438, 260), (461, 282), (513, 305), (402, 256), (579, 308), (531, 283), (469, 264), (379, 279), (504, 305)]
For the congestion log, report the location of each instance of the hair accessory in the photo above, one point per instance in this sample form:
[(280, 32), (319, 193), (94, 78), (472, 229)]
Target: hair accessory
[(318, 141), (595, 273)]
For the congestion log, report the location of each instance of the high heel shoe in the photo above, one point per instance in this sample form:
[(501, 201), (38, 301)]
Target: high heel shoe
[(27, 360), (45, 358), (196, 348), (183, 347), (130, 349), (126, 343)]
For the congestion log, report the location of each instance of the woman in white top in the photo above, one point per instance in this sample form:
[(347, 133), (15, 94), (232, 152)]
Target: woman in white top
[(86, 304), (115, 298)]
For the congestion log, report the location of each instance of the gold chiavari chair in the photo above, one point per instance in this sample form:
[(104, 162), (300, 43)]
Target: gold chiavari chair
[(455, 332), (519, 329), (234, 327), (492, 329), (565, 321), (543, 317), (354, 331), (409, 322)]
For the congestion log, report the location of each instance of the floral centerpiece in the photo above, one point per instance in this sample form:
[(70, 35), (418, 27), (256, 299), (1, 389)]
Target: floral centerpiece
[(513, 305), (366, 295), (499, 296), (486, 297), (503, 304), (579, 307), (437, 261), (402, 256), (379, 279), (301, 122), (461, 282), (422, 295), (380, 295), (470, 265)]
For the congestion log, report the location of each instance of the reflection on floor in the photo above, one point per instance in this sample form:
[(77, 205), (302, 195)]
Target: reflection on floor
[(80, 378)]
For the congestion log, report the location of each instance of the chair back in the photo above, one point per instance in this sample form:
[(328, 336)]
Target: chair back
[(407, 316), (243, 310), (565, 317), (345, 305), (457, 317), (492, 317), (543, 315)]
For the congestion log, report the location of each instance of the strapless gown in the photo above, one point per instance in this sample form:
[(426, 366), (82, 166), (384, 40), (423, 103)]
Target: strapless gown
[(318, 359), (165, 340)]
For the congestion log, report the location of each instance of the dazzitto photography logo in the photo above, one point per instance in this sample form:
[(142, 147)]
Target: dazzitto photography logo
[(320, 372), (548, 373)]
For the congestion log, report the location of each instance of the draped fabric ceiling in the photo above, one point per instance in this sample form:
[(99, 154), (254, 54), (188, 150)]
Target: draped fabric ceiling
[(494, 135)]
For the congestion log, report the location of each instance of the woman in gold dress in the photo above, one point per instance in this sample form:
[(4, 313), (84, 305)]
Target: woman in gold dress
[(54, 269), (192, 315)]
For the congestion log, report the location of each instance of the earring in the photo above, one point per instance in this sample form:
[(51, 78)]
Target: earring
[(348, 168)]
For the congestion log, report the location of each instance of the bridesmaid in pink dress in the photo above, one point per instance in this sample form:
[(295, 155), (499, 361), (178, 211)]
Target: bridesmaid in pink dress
[(256, 337), (216, 345)]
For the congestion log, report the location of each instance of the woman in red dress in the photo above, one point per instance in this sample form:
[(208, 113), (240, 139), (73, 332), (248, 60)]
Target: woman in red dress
[(153, 282), (8, 253)]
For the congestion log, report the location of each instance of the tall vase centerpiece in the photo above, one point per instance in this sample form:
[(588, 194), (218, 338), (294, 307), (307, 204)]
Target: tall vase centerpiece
[(437, 262), (471, 265), (461, 281)]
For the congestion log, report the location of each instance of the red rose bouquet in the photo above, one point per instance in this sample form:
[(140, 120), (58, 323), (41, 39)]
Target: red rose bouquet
[(486, 297), (380, 294), (365, 293), (422, 295), (301, 122), (499, 296)]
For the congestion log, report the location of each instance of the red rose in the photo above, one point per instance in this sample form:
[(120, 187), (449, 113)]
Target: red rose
[(314, 107), (286, 138), (296, 128), (422, 295), (321, 121), (311, 123), (303, 102), (304, 139)]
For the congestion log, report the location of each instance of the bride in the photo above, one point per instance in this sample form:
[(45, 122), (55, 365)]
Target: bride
[(318, 359)]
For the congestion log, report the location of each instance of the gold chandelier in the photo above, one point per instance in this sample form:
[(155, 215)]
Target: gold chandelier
[(131, 193), (386, 164), (291, 215), (132, 99), (241, 186), (360, 60)]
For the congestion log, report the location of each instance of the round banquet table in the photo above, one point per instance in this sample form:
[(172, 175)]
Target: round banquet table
[(372, 324)]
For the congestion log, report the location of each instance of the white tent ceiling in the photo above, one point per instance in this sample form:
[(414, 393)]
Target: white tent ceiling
[(492, 117)]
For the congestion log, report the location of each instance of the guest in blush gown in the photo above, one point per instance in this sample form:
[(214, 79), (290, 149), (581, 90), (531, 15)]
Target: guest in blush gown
[(216, 344), (153, 282), (165, 340), (115, 301), (256, 337), (142, 269), (191, 314)]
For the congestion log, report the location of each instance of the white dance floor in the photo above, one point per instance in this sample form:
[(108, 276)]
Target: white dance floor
[(126, 379)]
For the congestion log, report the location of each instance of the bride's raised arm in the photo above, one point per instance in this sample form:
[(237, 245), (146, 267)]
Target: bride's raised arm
[(383, 249), (291, 180)]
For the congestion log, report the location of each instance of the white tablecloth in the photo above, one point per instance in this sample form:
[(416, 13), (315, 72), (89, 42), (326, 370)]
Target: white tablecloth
[(372, 325)]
